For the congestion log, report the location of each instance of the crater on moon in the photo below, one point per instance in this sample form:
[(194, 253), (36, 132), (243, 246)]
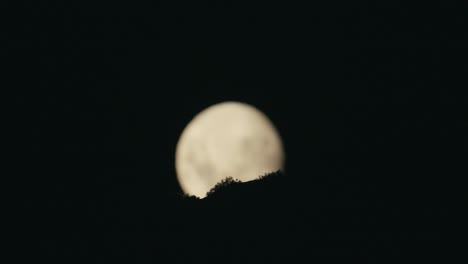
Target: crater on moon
[(229, 139)]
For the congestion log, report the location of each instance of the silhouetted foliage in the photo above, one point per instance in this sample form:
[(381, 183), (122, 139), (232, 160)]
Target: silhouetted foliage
[(270, 175), (222, 185), (187, 196)]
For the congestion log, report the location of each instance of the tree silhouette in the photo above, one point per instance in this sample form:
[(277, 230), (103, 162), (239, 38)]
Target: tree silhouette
[(189, 197), (222, 185), (270, 175)]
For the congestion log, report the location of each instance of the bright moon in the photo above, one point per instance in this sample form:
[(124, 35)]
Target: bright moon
[(229, 139)]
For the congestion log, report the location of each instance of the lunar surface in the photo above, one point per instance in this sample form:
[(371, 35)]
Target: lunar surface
[(229, 139)]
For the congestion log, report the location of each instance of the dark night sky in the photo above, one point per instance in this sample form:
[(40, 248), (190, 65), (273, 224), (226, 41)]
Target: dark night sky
[(360, 93)]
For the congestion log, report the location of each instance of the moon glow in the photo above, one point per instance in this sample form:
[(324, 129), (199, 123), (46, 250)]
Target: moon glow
[(229, 139)]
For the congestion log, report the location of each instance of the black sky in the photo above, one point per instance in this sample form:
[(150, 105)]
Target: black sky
[(361, 93)]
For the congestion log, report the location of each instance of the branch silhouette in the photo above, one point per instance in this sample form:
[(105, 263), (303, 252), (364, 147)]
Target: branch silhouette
[(222, 185)]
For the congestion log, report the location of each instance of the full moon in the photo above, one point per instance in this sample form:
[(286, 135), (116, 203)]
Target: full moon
[(229, 139)]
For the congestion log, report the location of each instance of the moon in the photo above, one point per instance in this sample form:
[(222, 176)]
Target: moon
[(229, 139)]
